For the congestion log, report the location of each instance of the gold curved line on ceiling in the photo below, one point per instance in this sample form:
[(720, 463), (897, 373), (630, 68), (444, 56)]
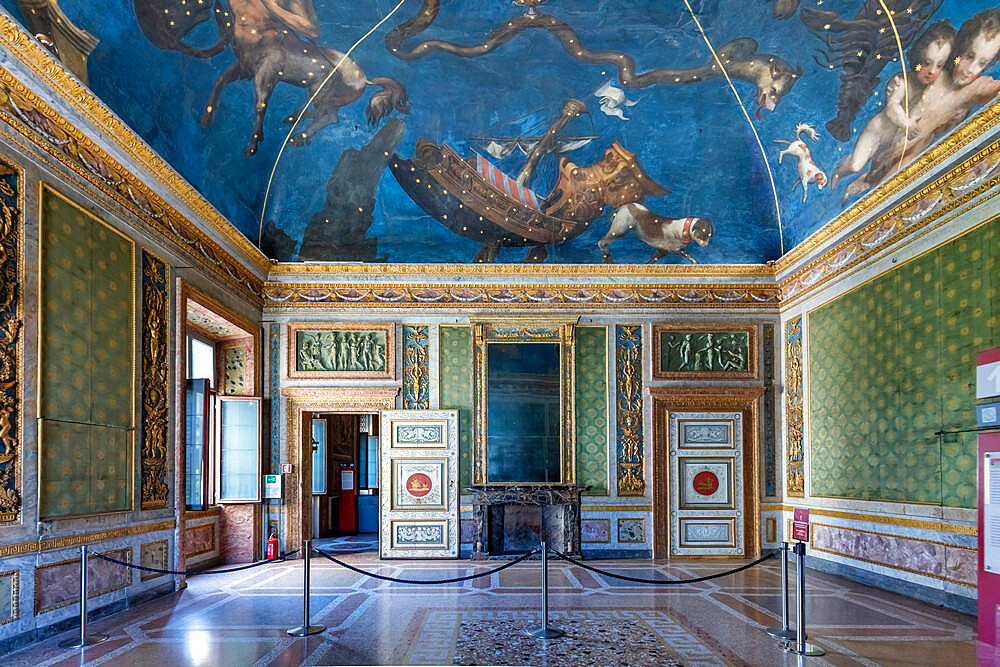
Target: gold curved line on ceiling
[(770, 175), (274, 168), (906, 85)]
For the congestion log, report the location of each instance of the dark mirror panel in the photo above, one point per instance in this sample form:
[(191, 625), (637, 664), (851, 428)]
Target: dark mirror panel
[(523, 412)]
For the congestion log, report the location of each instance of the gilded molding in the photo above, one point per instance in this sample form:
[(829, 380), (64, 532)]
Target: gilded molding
[(504, 296), (26, 112), (416, 367), (11, 344), (762, 272), (29, 52), (923, 524), (155, 380), (628, 371), (53, 543), (795, 458)]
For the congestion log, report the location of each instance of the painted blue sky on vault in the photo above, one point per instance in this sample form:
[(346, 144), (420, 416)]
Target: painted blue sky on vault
[(686, 130)]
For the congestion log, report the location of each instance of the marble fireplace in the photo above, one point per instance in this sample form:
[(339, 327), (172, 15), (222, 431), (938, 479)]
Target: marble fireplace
[(510, 519)]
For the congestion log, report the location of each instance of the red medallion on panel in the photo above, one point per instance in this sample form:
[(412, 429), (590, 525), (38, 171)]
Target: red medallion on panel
[(706, 483), (418, 484)]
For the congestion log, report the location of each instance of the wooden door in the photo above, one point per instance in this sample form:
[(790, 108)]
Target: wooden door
[(418, 480)]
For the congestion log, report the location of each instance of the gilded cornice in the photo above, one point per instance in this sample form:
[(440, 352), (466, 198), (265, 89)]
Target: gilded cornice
[(764, 272), (957, 140), (527, 295), (46, 67)]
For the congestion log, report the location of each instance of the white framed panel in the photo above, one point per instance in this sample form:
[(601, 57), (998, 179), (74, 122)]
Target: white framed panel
[(701, 533), (420, 434), (414, 534), (706, 483), (420, 484)]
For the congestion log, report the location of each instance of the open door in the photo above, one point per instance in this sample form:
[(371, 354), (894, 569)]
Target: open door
[(418, 470)]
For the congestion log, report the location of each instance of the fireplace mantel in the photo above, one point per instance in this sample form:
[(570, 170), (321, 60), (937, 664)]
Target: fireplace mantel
[(558, 517)]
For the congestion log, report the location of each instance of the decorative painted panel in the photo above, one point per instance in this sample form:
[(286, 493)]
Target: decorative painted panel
[(795, 457), (155, 380), (706, 493), (236, 369), (628, 374), (767, 414), (86, 362), (11, 268), (418, 509), (455, 389), (341, 350), (721, 352), (274, 363), (891, 377), (592, 409), (631, 531), (10, 597), (156, 555), (416, 367), (427, 434)]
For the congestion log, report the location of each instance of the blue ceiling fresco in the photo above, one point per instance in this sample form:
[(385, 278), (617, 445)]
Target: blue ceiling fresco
[(719, 131)]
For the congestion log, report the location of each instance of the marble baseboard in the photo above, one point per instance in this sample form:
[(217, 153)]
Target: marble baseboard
[(608, 554)]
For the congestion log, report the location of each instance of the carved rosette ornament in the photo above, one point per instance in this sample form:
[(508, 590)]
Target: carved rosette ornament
[(155, 381), (795, 460), (11, 248), (416, 367), (628, 358)]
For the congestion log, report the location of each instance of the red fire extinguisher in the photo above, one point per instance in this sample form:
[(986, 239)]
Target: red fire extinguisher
[(272, 547)]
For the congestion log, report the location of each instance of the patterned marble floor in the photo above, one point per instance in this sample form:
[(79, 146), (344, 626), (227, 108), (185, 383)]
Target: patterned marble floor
[(240, 619)]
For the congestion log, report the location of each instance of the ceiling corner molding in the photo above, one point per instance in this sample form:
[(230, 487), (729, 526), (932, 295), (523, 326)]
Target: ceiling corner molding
[(49, 71)]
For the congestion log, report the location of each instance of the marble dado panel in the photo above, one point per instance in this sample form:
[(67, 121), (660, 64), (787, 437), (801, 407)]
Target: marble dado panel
[(595, 531), (9, 596), (154, 554), (933, 559), (236, 533), (58, 584), (200, 540)]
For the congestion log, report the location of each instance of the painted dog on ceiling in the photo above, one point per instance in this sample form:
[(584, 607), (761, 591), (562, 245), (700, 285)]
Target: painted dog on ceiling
[(667, 235), (771, 76), (265, 35)]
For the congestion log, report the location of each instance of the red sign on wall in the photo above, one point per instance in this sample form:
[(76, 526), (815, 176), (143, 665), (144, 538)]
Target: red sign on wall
[(286, 468), (800, 524)]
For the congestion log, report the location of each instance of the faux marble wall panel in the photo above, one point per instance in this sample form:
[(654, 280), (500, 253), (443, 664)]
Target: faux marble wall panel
[(9, 597), (154, 554), (595, 530), (933, 559), (58, 584), (467, 531), (236, 533), (199, 540)]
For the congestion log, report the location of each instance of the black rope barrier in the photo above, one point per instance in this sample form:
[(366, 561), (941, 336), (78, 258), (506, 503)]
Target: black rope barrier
[(430, 581), (192, 573), (667, 582)]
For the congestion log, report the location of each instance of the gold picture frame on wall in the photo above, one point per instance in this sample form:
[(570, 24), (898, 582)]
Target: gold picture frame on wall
[(341, 350), (558, 331), (705, 352)]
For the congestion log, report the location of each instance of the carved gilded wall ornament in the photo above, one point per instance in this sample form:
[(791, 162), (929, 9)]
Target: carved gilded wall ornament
[(155, 380), (628, 362), (274, 369), (720, 351), (416, 367), (345, 350), (794, 436), (569, 295), (11, 267)]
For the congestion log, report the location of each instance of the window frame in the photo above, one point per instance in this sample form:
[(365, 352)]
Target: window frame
[(208, 447), (219, 400)]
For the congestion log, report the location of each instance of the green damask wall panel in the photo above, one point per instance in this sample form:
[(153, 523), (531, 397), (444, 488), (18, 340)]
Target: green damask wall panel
[(891, 364), (86, 362), (592, 409), (455, 390)]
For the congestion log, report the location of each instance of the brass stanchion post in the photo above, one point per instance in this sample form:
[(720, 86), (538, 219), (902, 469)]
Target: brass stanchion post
[(784, 633), (800, 646), (544, 631), (84, 639), (306, 629)]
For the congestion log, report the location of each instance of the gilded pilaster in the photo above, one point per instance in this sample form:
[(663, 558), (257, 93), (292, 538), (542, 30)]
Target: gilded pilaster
[(795, 457), (628, 358), (11, 267), (416, 367)]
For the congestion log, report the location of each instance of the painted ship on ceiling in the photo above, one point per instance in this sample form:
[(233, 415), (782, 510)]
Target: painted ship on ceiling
[(475, 199)]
